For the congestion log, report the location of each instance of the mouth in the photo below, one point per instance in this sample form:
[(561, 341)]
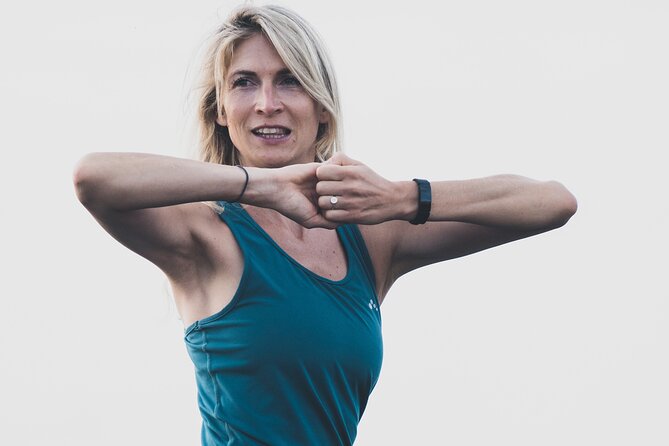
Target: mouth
[(271, 132)]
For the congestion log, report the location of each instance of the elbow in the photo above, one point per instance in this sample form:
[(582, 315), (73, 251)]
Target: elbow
[(564, 205), (86, 178)]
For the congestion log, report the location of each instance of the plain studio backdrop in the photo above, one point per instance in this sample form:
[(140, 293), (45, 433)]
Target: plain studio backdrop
[(560, 339)]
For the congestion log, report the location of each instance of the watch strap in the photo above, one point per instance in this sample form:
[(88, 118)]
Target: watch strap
[(424, 202)]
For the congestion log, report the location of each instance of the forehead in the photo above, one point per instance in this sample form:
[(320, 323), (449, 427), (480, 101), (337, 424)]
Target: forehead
[(256, 54)]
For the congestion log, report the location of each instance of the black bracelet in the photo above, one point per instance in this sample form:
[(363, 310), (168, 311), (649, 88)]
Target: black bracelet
[(424, 202), (246, 183)]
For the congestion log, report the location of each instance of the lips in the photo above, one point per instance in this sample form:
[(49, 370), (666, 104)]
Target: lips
[(271, 132)]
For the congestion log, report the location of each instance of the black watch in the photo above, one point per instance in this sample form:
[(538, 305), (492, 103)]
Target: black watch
[(424, 202)]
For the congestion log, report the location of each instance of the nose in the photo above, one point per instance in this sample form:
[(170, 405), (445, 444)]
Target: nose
[(267, 101)]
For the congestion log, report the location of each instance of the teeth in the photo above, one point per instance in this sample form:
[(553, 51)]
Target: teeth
[(270, 131)]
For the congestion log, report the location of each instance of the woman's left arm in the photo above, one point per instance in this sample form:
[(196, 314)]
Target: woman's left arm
[(466, 216)]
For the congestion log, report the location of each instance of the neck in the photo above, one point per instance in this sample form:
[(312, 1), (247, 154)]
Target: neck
[(269, 218)]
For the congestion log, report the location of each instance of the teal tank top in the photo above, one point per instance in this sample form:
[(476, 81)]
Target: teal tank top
[(293, 358)]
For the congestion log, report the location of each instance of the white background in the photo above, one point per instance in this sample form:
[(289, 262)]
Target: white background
[(561, 339)]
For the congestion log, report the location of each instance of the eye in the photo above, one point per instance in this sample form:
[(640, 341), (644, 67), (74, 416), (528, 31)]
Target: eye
[(291, 81), (241, 82)]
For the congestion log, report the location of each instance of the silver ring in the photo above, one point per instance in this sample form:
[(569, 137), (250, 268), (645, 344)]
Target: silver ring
[(333, 201)]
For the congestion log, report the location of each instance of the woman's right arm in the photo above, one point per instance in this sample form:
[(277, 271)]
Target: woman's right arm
[(152, 203)]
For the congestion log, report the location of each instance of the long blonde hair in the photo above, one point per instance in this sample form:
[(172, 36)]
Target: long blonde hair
[(301, 49)]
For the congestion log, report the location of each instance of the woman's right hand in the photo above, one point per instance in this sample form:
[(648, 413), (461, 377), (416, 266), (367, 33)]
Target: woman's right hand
[(290, 190)]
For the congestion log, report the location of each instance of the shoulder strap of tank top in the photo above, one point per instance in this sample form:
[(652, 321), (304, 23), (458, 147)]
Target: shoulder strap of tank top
[(350, 234), (243, 229)]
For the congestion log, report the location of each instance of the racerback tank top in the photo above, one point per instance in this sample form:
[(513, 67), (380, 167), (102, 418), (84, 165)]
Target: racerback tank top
[(293, 358)]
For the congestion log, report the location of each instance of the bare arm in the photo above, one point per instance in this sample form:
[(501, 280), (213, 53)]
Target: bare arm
[(152, 203), (472, 215), (130, 181), (467, 216), (149, 202)]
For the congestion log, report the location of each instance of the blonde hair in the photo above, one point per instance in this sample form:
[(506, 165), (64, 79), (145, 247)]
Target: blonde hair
[(300, 48)]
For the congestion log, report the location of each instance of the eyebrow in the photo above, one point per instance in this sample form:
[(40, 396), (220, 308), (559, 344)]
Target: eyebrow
[(281, 72)]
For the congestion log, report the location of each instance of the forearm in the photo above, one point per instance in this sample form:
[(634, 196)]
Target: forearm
[(503, 201), (129, 181)]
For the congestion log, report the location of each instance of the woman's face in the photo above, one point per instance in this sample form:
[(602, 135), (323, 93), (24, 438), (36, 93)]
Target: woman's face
[(272, 121)]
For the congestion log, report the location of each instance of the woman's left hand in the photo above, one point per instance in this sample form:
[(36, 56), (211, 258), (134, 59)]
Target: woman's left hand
[(362, 195)]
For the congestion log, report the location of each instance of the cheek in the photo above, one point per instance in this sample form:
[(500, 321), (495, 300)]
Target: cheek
[(230, 112), (310, 116), (235, 108)]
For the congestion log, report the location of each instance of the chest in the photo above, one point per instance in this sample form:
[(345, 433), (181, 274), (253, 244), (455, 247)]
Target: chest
[(318, 250), (293, 322), (290, 313)]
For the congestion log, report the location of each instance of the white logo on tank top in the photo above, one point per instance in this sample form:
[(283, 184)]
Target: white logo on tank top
[(372, 305)]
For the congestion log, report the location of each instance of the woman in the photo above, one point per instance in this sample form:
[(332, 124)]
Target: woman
[(281, 311)]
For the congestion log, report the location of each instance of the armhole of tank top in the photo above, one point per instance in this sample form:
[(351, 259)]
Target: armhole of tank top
[(240, 287), (361, 248)]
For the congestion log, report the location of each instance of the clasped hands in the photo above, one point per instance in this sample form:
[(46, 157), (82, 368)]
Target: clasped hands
[(304, 194)]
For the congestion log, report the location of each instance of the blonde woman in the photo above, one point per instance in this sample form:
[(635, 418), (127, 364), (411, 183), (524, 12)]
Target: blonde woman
[(280, 249)]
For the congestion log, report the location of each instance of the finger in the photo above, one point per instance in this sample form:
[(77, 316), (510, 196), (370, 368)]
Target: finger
[(329, 188), (325, 202), (336, 215), (341, 159), (335, 160), (330, 172), (319, 221)]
